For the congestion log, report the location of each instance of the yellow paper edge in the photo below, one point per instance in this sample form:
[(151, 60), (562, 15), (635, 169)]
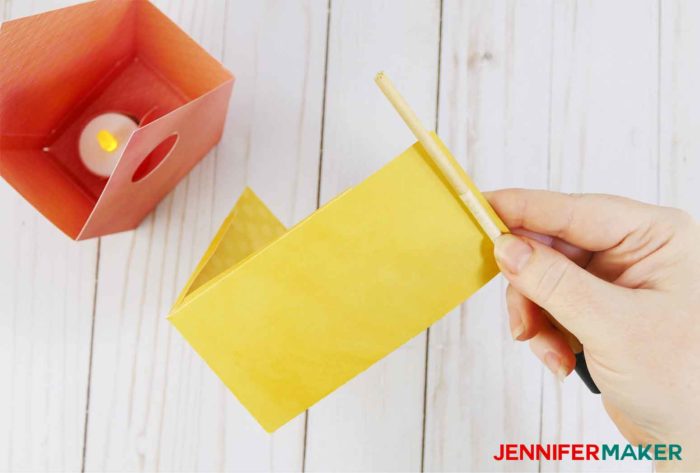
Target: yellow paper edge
[(475, 190), (211, 250), (247, 194)]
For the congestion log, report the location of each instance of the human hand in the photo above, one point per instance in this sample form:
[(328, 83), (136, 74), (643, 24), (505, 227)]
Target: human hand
[(624, 277)]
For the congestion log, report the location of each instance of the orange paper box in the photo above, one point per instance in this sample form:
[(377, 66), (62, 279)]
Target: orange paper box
[(61, 69)]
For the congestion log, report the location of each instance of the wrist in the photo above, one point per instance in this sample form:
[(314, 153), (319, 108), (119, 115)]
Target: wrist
[(689, 457)]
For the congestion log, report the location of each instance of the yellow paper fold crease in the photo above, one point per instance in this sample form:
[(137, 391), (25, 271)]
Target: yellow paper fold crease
[(286, 317)]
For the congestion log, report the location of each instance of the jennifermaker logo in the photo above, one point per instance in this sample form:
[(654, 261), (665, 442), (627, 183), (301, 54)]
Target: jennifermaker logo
[(587, 452)]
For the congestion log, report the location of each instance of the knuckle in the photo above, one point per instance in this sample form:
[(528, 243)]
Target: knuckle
[(682, 218), (551, 283), (522, 212), (570, 217), (667, 222)]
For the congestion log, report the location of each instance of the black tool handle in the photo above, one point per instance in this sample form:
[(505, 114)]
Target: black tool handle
[(584, 374)]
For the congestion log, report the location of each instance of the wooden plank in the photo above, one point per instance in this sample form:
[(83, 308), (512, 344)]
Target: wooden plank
[(139, 365), (483, 388), (375, 421), (47, 285), (154, 405), (679, 118), (604, 138), (277, 50), (153, 402)]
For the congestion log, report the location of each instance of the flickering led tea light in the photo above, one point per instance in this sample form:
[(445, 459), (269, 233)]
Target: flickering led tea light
[(103, 140)]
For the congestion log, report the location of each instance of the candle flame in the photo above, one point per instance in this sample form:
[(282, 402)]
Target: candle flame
[(107, 141)]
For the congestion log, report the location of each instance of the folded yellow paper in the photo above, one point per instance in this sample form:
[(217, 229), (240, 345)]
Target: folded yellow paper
[(286, 317)]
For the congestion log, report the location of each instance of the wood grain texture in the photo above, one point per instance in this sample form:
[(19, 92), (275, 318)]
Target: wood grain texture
[(484, 389), (604, 138), (375, 421), (141, 371), (47, 285), (272, 144), (578, 96), (173, 413), (679, 114)]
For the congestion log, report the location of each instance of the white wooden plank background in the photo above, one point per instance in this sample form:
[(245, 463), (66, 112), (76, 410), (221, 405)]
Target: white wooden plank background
[(493, 114), (603, 138), (352, 429), (576, 96)]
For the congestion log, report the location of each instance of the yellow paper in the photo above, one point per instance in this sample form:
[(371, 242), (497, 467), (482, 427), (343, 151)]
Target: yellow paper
[(287, 317)]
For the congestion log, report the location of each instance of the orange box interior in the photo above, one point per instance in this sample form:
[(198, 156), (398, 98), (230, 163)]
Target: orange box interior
[(62, 68)]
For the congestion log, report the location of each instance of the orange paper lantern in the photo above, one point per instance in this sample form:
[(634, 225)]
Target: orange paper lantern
[(63, 68)]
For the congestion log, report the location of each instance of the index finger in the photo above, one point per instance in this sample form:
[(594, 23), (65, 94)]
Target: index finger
[(593, 222)]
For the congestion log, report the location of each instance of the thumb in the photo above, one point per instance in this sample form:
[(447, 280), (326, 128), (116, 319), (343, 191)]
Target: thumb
[(580, 301)]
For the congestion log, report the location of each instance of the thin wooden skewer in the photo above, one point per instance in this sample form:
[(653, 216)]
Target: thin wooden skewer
[(437, 155), (467, 196)]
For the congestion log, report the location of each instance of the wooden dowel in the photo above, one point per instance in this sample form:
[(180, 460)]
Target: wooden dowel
[(437, 155), (465, 194)]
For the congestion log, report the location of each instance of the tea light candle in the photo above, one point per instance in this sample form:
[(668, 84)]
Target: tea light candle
[(103, 140)]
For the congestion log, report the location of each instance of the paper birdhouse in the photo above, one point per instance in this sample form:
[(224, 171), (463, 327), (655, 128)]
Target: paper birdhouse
[(104, 107), (284, 317)]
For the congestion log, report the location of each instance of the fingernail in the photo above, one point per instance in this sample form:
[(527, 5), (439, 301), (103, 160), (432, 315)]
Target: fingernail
[(517, 331), (517, 327), (512, 253), (553, 362)]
